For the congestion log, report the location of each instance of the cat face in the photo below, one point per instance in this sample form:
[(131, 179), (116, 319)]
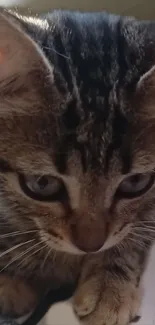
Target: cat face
[(76, 144)]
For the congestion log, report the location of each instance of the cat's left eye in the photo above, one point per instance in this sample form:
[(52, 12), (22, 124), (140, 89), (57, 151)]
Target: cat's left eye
[(135, 185), (42, 188)]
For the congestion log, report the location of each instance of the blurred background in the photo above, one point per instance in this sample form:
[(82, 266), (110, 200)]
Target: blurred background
[(144, 9)]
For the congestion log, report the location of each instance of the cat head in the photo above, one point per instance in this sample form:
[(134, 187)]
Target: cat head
[(77, 130)]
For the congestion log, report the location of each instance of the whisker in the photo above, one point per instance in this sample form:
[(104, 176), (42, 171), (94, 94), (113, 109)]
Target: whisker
[(52, 49), (29, 256), (145, 222), (46, 257), (17, 233), (119, 247), (14, 247), (143, 237), (6, 223), (54, 256), (137, 242), (146, 228), (151, 224), (20, 255)]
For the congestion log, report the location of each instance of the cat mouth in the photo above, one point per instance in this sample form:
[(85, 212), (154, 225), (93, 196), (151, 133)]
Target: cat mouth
[(59, 243), (68, 244)]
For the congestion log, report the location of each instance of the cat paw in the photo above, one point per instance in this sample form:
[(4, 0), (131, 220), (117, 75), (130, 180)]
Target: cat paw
[(111, 303), (16, 298)]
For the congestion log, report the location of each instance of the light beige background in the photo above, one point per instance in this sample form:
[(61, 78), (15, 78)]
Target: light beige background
[(145, 9), (139, 8)]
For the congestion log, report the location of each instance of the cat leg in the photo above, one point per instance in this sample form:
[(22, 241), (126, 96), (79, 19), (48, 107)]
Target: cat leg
[(112, 294)]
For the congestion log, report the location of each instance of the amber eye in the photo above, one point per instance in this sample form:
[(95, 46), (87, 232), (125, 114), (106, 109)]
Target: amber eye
[(43, 188), (135, 185)]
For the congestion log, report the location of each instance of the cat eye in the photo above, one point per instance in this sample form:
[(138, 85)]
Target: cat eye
[(43, 188), (135, 185)]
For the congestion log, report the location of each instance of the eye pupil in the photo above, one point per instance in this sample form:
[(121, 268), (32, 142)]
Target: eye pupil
[(135, 179), (42, 182)]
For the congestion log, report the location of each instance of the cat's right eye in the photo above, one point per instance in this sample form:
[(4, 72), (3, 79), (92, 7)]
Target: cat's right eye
[(135, 185), (43, 188)]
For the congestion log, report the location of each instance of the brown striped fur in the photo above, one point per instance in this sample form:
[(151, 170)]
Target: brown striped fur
[(77, 103)]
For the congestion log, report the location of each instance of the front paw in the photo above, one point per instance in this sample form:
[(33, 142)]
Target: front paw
[(16, 298), (107, 302)]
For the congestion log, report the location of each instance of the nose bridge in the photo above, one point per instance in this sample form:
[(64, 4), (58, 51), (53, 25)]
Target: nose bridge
[(91, 212), (89, 230), (88, 208), (91, 201)]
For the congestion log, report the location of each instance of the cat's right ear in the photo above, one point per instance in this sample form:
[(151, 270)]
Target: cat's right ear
[(145, 94), (18, 53)]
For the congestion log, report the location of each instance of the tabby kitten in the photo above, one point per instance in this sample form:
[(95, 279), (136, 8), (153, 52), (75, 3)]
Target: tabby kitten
[(77, 159)]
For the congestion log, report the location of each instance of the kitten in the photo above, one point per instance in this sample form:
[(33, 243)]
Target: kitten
[(77, 159)]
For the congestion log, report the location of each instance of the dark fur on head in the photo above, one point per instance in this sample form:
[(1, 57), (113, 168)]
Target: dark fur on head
[(76, 104)]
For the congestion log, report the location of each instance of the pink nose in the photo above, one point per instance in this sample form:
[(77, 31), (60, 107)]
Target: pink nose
[(88, 239)]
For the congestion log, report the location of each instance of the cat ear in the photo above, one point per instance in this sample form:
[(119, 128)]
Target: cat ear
[(18, 53), (145, 94), (24, 70), (147, 81)]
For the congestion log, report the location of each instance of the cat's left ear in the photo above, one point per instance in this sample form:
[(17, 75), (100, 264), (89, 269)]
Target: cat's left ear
[(24, 70), (19, 54)]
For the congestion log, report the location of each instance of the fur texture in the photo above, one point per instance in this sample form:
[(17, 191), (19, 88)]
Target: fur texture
[(76, 106)]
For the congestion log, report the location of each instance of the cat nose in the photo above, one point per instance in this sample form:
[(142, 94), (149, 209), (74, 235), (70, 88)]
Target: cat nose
[(88, 239)]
